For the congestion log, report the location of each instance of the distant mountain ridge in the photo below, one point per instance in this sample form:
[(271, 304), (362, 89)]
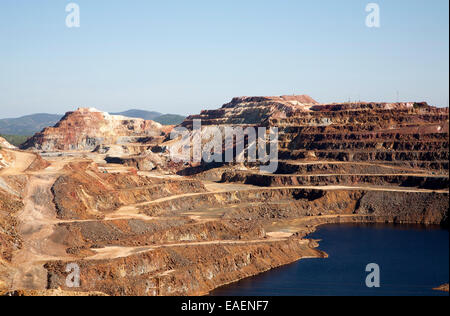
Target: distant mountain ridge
[(146, 115), (164, 119), (31, 124)]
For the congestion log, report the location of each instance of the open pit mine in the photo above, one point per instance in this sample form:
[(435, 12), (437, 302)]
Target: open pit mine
[(96, 206)]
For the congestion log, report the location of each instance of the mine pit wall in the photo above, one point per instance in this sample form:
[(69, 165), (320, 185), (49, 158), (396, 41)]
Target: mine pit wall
[(77, 194), (423, 182), (198, 269), (287, 168), (264, 203), (406, 208), (300, 202), (375, 156), (314, 223), (180, 271), (80, 237)]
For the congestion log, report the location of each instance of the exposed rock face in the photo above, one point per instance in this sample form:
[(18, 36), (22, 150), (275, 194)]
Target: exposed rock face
[(83, 192), (86, 129), (4, 159), (193, 270), (411, 133), (147, 161), (253, 110), (389, 138), (420, 181), (4, 144)]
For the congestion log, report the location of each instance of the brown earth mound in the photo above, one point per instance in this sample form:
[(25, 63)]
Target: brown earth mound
[(84, 192)]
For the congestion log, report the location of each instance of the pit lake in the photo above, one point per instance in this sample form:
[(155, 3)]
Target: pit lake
[(412, 259)]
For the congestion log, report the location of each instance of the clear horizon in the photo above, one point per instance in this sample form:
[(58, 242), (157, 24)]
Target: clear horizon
[(179, 58)]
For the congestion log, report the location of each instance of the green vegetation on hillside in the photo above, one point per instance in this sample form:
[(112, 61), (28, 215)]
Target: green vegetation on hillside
[(146, 115), (28, 125), (170, 119), (164, 119)]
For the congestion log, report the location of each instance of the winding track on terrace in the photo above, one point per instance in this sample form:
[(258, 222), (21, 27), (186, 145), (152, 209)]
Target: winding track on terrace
[(38, 220)]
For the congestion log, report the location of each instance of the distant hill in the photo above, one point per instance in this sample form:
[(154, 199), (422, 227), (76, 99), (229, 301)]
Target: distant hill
[(28, 125), (170, 119), (31, 124), (164, 119), (146, 115)]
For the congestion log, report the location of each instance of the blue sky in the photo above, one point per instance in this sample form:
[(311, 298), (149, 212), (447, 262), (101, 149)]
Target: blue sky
[(185, 56)]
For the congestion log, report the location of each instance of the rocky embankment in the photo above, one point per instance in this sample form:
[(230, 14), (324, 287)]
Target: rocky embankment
[(13, 189), (178, 270), (4, 144), (425, 181), (5, 156), (5, 159)]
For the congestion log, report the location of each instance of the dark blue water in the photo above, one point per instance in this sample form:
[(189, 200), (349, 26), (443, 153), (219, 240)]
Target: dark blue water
[(413, 261)]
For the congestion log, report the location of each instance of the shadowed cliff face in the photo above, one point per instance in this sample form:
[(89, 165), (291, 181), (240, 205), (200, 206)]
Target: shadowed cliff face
[(85, 129)]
